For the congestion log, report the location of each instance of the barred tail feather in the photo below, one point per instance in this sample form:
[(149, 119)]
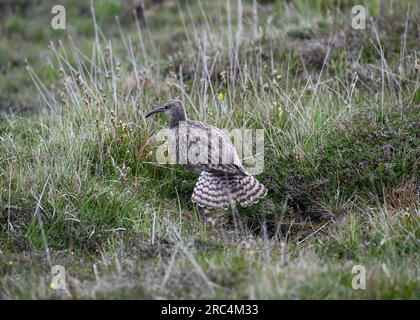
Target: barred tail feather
[(222, 191), (251, 191), (211, 191)]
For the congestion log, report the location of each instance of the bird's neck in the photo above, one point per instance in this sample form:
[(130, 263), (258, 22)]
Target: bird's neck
[(176, 118)]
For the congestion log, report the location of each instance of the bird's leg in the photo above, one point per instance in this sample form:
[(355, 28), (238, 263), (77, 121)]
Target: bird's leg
[(237, 221), (202, 212)]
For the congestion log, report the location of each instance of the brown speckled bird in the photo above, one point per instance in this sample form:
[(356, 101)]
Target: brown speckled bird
[(208, 151)]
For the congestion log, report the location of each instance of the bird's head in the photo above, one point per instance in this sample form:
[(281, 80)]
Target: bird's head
[(174, 110)]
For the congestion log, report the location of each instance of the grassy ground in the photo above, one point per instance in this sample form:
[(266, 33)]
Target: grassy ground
[(340, 110)]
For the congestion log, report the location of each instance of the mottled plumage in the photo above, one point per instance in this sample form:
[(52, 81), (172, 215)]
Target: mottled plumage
[(208, 151)]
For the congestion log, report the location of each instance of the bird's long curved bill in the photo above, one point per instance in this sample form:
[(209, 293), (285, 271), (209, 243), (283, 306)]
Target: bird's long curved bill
[(160, 109)]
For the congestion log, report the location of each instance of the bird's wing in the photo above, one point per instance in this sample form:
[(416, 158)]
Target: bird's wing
[(210, 149)]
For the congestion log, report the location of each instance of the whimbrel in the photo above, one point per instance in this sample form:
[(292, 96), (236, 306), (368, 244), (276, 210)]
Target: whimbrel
[(208, 151)]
